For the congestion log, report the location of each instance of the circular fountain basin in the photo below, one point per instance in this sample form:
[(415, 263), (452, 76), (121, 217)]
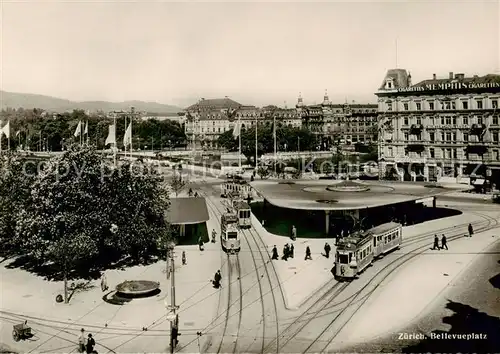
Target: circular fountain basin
[(137, 288)]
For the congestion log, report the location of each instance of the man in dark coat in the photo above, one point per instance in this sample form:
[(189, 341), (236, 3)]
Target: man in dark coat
[(275, 253), (327, 250), (443, 242), (436, 243), (308, 254), (471, 230), (90, 344), (292, 250), (286, 250), (217, 279)]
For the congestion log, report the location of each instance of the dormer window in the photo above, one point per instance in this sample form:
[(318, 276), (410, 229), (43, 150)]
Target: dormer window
[(389, 84)]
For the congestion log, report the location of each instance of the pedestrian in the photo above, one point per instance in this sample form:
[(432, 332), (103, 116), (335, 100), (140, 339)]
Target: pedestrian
[(292, 250), (294, 233), (275, 253), (217, 279), (443, 242), (190, 193), (308, 253), (90, 344), (285, 252), (200, 243), (214, 235), (184, 258), (327, 250), (341, 233), (471, 230), (82, 341), (196, 194), (436, 243), (104, 282)]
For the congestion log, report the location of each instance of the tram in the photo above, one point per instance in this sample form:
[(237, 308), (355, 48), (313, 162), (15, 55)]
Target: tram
[(243, 212), (236, 187), (358, 251), (229, 234)]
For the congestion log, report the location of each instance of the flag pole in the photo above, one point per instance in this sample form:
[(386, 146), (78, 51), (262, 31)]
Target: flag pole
[(256, 137), (239, 143), (115, 148), (131, 118), (274, 133)]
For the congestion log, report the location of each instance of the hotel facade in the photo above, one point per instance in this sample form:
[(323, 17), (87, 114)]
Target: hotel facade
[(439, 127)]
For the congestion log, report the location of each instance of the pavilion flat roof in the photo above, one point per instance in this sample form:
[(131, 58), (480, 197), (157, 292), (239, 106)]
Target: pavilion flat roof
[(352, 195), (187, 210)]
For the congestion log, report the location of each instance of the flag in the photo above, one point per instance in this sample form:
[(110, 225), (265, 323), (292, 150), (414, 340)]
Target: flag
[(6, 130), (86, 130), (17, 133), (274, 130), (127, 138), (78, 130), (111, 139), (236, 129)]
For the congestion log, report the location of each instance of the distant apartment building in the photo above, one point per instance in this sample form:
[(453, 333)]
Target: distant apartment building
[(209, 118), (175, 117), (339, 123), (132, 113), (440, 126)]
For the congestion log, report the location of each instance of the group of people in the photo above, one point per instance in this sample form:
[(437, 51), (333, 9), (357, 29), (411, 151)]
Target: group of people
[(289, 252), (217, 279), (190, 193), (443, 243), (86, 344)]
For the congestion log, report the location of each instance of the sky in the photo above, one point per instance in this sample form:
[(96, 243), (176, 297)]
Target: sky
[(256, 53)]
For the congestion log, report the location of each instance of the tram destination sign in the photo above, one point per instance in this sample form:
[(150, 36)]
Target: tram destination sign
[(451, 86)]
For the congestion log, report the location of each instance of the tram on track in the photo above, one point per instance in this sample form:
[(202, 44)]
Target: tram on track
[(243, 212), (229, 234), (235, 187), (358, 251)]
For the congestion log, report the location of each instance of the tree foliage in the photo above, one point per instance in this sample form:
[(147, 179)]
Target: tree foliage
[(37, 129), (79, 210)]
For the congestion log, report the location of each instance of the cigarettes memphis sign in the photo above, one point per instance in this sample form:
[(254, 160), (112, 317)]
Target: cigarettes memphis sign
[(451, 86)]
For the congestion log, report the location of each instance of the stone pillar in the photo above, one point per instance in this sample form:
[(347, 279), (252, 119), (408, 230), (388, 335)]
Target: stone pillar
[(426, 173), (182, 230), (327, 221)]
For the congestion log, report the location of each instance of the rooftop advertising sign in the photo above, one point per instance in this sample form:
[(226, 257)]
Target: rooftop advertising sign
[(450, 86)]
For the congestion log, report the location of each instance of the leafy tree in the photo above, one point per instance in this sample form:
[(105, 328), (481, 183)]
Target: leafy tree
[(177, 183), (263, 172)]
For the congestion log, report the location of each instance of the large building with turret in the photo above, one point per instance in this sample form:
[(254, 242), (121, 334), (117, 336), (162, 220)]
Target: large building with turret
[(339, 123), (441, 126)]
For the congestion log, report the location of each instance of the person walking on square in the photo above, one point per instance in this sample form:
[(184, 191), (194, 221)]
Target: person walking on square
[(308, 254), (294, 233), (292, 250), (200, 243), (90, 344), (436, 243), (285, 252), (184, 258), (275, 253), (327, 250), (443, 242), (104, 282), (214, 235), (82, 341), (471, 230)]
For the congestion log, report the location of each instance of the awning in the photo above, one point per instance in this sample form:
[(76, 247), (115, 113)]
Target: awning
[(187, 210), (479, 182)]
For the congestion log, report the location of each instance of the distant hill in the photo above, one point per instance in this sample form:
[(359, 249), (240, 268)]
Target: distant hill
[(53, 104)]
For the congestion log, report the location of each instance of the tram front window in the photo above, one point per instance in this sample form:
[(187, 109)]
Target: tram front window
[(343, 258), (232, 235)]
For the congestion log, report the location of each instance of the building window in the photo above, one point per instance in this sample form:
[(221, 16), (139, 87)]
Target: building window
[(405, 105), (219, 129), (389, 106), (431, 106), (419, 120), (432, 137), (494, 104), (479, 120), (495, 120), (419, 106), (442, 136), (453, 105), (454, 120), (448, 136), (442, 120), (497, 155), (213, 130), (465, 105), (406, 136), (495, 136), (447, 105), (466, 137), (453, 136), (448, 120), (465, 120), (432, 153), (405, 121), (479, 104), (455, 153), (389, 151)]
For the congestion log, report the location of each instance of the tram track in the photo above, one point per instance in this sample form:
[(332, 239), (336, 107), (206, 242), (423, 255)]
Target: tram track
[(317, 309), (375, 282)]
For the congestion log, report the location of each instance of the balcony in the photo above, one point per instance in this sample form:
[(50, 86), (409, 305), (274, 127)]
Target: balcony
[(479, 149), (478, 129), (416, 129), (417, 147)]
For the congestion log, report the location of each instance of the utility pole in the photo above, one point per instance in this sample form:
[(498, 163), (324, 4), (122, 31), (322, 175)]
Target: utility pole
[(172, 315)]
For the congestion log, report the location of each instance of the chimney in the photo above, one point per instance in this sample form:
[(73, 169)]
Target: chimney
[(451, 75), (433, 76)]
